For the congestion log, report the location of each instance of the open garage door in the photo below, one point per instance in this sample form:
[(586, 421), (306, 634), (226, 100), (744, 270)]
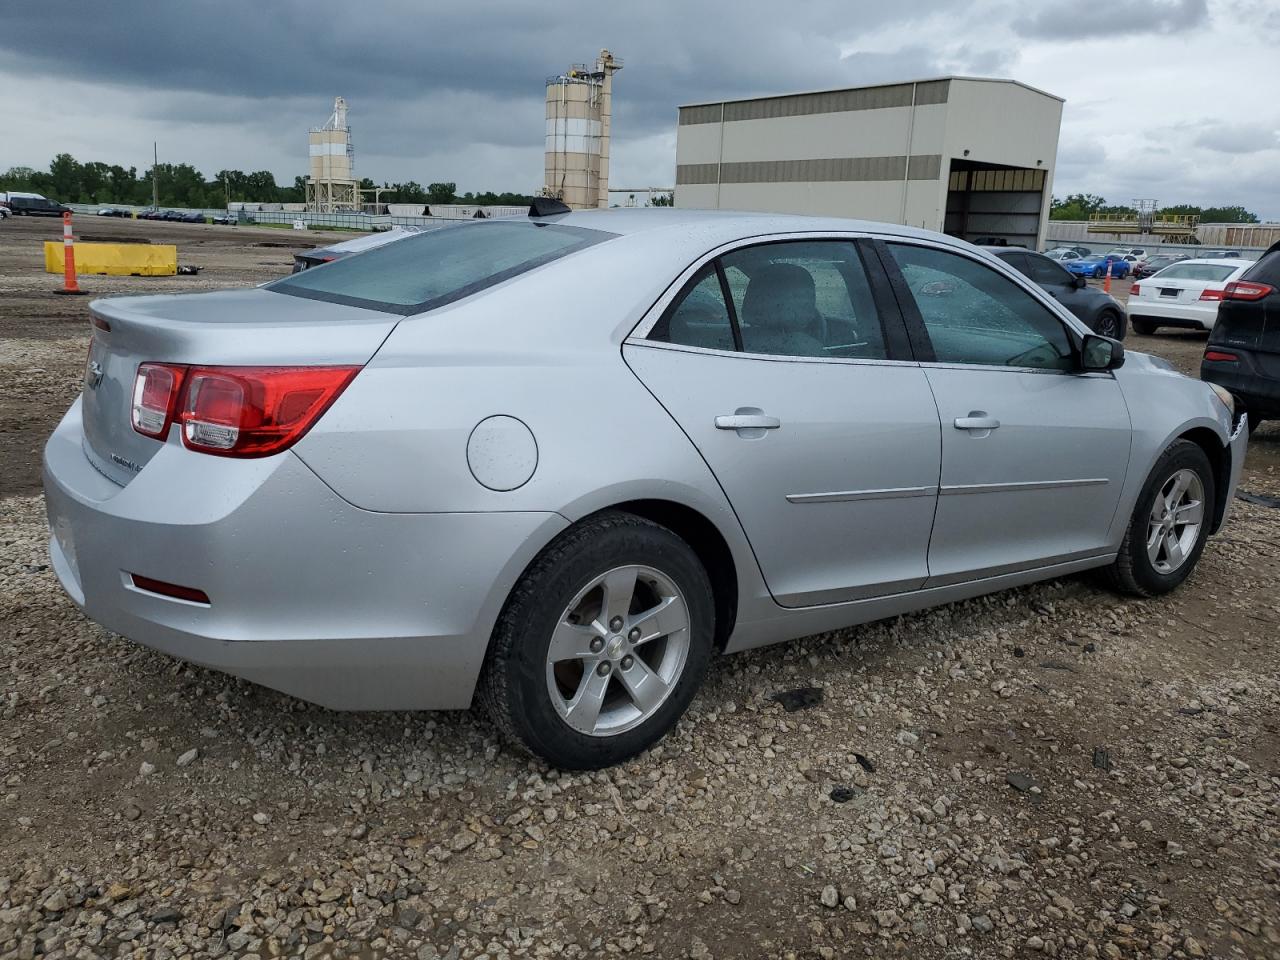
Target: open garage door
[(986, 201)]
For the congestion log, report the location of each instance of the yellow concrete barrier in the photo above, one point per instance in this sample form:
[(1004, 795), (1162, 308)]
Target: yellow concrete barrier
[(116, 259)]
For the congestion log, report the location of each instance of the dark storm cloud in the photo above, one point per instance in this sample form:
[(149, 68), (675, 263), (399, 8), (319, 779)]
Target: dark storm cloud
[(1074, 21), (406, 62)]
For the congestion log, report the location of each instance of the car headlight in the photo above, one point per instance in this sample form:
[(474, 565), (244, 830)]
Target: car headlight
[(1225, 395)]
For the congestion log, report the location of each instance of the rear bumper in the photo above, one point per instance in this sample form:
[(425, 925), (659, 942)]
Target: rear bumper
[(308, 595), (1245, 378), (1175, 315)]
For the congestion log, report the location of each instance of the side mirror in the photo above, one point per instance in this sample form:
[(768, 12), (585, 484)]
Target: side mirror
[(1078, 281), (1100, 353)]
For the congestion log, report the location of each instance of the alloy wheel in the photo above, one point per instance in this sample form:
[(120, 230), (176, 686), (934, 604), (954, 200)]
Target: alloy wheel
[(1108, 326), (1174, 524), (618, 650)]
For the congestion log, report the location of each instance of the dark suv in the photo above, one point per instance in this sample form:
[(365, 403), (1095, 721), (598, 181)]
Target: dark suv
[(1101, 313), (36, 207), (1243, 352)]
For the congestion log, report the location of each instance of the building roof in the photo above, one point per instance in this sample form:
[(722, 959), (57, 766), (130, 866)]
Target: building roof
[(873, 86)]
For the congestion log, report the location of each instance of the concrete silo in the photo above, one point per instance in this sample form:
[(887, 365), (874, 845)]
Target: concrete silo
[(331, 184), (579, 110)]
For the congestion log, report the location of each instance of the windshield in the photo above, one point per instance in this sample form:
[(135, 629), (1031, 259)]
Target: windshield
[(1196, 271), (426, 271)]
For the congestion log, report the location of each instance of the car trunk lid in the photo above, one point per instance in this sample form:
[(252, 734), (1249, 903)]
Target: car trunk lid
[(226, 328)]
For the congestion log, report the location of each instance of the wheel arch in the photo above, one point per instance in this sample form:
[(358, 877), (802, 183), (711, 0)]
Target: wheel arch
[(706, 540), (1220, 461)]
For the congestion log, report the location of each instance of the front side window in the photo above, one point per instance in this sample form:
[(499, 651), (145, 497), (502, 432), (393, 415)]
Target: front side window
[(428, 270), (974, 315)]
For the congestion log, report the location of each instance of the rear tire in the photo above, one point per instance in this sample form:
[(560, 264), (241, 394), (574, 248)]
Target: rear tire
[(1169, 525), (1142, 325), (602, 644), (1255, 421)]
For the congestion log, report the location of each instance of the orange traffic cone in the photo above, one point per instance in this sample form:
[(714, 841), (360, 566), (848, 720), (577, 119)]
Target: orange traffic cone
[(69, 285), (1106, 284)]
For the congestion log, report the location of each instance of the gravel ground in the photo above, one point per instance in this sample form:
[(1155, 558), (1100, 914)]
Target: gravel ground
[(1052, 770)]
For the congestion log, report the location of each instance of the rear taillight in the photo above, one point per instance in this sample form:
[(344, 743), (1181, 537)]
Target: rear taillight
[(1211, 295), (1135, 289), (1220, 356), (235, 411), (155, 398), (1247, 290)]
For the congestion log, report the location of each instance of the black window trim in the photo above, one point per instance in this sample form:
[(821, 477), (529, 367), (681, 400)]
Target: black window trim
[(589, 238), (921, 341), (897, 343)]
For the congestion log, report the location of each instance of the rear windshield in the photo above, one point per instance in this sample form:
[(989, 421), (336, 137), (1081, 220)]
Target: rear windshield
[(1196, 271), (1266, 270), (426, 271)]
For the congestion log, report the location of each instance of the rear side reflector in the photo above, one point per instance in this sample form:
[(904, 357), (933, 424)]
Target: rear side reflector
[(235, 411), (1135, 289), (1219, 356), (1247, 290), (1211, 295), (190, 594)]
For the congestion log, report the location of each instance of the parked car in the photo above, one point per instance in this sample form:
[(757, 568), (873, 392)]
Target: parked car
[(556, 465), (1130, 254), (1062, 253), (4, 209), (34, 205), (1185, 294), (1096, 266), (1219, 255), (306, 259), (113, 212), (1098, 310), (1155, 264), (1243, 353)]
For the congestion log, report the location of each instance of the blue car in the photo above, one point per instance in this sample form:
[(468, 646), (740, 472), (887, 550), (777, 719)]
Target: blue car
[(1096, 266)]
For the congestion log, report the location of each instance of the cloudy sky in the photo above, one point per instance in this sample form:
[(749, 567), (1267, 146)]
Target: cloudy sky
[(1172, 99)]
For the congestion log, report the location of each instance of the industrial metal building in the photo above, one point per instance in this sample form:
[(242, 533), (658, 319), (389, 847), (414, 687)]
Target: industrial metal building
[(973, 157)]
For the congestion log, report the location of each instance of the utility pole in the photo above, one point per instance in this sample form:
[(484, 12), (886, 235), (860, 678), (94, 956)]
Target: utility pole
[(155, 162)]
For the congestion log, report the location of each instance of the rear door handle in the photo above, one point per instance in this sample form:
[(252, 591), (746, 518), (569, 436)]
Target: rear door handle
[(977, 420), (748, 421)]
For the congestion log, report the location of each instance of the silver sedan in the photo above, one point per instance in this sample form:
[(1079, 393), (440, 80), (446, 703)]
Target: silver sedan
[(555, 464)]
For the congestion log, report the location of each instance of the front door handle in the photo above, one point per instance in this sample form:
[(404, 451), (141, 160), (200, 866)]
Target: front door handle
[(977, 420), (748, 421)]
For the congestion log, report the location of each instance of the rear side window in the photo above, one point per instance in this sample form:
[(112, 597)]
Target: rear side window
[(700, 318), (1044, 270), (1197, 271), (789, 299), (431, 269)]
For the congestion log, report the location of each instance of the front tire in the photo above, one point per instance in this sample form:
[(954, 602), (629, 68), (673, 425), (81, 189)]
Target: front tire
[(1110, 324), (1169, 526), (602, 644)]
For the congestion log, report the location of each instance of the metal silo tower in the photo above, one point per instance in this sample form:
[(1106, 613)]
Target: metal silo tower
[(331, 185), (579, 111)]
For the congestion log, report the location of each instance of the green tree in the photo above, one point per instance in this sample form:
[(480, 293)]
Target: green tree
[(1234, 214), (663, 200), (1077, 206), (441, 192)]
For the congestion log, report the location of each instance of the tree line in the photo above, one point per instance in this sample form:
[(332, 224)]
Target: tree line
[(182, 185), (1086, 206)]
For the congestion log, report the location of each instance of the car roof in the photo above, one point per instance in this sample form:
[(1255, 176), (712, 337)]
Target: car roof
[(730, 224)]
